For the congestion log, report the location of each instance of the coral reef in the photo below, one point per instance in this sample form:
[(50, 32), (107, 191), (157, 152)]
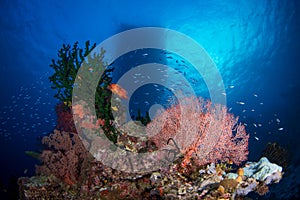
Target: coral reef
[(211, 142), (102, 182), (69, 172)]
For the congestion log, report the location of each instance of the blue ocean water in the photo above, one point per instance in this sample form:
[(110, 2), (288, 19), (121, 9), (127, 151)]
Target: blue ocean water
[(254, 44)]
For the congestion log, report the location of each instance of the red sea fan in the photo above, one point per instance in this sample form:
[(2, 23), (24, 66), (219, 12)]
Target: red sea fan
[(203, 132)]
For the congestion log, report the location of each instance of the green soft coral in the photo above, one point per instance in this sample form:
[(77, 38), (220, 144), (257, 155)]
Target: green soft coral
[(92, 67), (66, 67)]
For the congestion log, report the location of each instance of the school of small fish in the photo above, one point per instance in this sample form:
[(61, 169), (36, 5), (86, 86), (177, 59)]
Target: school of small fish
[(32, 111), (257, 125), (26, 113)]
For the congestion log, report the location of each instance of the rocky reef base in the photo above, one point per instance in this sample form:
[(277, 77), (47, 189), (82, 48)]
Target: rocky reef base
[(212, 181)]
